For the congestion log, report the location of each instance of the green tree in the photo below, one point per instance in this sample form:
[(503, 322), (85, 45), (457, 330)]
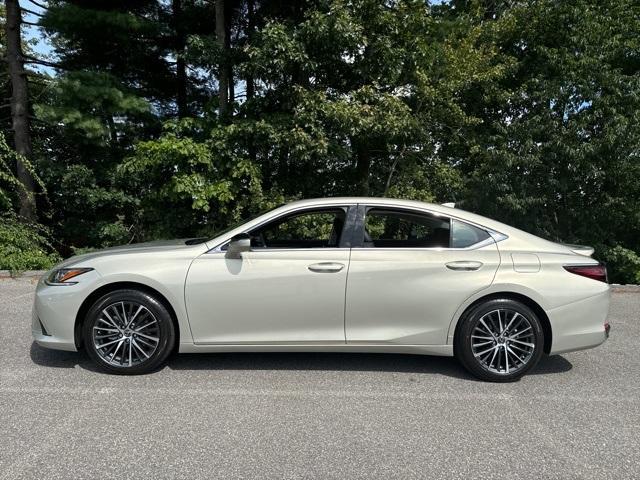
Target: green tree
[(175, 118), (122, 71), (556, 152)]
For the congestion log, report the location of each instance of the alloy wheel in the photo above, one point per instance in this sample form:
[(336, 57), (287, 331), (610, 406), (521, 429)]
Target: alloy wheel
[(126, 334), (503, 341)]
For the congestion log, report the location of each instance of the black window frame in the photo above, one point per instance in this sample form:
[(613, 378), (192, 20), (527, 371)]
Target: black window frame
[(353, 230)]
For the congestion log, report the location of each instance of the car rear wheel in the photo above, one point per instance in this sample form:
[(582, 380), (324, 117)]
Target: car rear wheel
[(128, 332), (499, 340)]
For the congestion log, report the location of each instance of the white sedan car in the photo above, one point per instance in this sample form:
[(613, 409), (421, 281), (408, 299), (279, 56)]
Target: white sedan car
[(334, 275)]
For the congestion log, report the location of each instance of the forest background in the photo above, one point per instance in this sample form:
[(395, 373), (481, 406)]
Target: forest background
[(148, 119)]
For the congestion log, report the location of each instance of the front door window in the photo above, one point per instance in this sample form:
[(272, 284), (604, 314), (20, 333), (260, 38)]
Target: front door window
[(309, 229)]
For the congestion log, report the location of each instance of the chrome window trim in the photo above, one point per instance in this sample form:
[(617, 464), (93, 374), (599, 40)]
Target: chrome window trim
[(497, 236), (267, 250), (484, 243)]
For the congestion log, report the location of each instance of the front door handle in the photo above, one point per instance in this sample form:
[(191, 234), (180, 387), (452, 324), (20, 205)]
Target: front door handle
[(464, 266), (326, 267)]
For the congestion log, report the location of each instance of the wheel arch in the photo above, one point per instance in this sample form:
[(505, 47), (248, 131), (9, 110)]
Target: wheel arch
[(111, 287), (528, 301)]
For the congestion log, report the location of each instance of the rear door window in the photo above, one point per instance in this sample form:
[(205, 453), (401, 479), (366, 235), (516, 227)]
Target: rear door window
[(403, 229), (389, 228)]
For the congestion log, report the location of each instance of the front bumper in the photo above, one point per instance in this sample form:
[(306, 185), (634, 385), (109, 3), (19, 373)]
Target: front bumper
[(59, 337), (55, 309)]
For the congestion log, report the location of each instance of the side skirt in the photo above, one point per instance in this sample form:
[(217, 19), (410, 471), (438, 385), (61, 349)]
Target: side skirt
[(438, 350)]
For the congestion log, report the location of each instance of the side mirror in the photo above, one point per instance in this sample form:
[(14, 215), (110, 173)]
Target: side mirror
[(238, 244)]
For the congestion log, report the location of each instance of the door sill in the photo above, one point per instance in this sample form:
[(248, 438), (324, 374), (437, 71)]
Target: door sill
[(439, 350)]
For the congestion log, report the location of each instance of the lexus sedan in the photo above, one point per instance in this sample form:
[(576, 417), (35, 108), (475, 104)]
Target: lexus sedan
[(332, 275)]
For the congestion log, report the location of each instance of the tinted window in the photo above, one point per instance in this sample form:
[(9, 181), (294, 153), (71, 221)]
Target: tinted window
[(311, 229), (464, 235), (402, 229)]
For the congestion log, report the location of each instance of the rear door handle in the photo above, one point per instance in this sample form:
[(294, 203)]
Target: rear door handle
[(464, 266), (326, 267)]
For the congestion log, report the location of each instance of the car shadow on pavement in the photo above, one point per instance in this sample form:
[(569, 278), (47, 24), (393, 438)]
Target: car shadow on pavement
[(46, 357), (365, 362)]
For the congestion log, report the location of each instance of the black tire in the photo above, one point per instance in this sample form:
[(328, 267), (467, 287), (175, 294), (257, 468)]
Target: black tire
[(155, 314), (485, 370)]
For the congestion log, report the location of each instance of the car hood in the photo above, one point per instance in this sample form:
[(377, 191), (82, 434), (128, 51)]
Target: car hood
[(146, 247)]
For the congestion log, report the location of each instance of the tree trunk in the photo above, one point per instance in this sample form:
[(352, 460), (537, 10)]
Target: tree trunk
[(251, 87), (227, 48), (181, 66), (20, 108), (113, 133), (221, 37), (232, 89)]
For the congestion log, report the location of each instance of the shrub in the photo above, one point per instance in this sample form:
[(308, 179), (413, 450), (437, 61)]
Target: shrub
[(24, 246), (623, 265)]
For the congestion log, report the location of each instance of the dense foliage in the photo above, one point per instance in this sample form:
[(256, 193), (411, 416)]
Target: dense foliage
[(23, 245), (176, 118)]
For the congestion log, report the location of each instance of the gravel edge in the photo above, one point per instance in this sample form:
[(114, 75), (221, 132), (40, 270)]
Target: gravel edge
[(27, 273)]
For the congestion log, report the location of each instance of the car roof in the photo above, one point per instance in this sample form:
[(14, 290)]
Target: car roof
[(369, 201)]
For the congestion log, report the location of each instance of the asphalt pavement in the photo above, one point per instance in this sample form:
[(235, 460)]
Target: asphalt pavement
[(316, 415)]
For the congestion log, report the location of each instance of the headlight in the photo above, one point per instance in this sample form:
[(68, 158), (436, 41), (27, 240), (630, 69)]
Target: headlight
[(63, 275)]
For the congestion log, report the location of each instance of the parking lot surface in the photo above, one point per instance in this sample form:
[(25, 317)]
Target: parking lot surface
[(316, 415)]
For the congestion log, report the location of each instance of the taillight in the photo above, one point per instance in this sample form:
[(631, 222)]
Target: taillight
[(595, 272)]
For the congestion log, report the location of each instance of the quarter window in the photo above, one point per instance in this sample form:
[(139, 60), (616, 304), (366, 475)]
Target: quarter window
[(464, 235)]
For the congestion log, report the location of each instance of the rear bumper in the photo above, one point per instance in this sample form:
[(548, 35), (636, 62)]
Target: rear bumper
[(580, 325)]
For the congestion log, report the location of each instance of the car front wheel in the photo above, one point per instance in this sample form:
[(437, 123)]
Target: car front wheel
[(499, 340), (128, 332)]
